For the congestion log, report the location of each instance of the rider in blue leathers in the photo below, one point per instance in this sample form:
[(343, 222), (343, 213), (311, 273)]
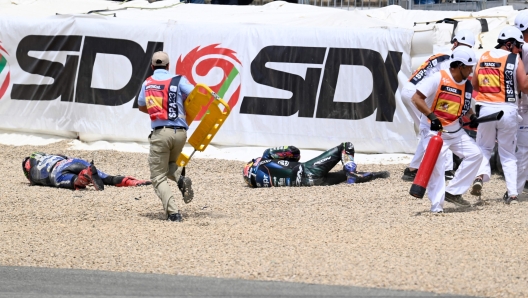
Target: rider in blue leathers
[(72, 173), (280, 166)]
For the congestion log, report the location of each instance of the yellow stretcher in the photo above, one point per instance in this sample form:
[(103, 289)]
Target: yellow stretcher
[(202, 97)]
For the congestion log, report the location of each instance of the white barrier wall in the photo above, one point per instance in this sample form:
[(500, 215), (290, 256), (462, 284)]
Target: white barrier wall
[(313, 87), (294, 74)]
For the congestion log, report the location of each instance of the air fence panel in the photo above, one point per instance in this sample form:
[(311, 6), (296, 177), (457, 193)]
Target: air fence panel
[(451, 5)]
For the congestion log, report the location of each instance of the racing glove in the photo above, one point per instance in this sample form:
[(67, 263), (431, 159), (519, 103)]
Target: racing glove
[(131, 181)]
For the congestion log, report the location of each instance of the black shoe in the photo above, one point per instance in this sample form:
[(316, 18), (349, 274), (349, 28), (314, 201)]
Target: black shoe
[(449, 174), (476, 188), (456, 199), (96, 180), (409, 175), (175, 217), (184, 184), (508, 200)]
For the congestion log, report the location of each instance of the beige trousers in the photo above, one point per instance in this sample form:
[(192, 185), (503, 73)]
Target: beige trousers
[(166, 145)]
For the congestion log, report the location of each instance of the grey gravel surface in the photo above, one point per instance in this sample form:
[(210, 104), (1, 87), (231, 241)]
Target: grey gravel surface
[(368, 235), (55, 282)]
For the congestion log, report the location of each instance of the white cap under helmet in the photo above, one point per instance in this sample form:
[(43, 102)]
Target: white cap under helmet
[(464, 36), (464, 55), (510, 32), (521, 20)]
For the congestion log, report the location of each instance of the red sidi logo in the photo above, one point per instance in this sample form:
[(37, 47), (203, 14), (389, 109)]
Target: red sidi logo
[(218, 68), (4, 71)]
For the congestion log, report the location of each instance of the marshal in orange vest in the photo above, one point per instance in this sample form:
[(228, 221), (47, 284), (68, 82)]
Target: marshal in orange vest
[(496, 78), (420, 73), (451, 101)]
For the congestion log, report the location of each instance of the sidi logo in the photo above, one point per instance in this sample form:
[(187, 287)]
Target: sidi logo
[(4, 71), (72, 80), (217, 67), (305, 90)]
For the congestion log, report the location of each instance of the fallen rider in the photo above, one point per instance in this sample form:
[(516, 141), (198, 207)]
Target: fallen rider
[(281, 167), (72, 173)]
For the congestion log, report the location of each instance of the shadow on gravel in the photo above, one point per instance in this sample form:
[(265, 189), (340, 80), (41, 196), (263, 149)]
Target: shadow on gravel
[(185, 215), (447, 211), (460, 209), (203, 214), (154, 215)]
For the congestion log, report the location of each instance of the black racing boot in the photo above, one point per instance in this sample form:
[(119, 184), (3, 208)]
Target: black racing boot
[(89, 176), (96, 180)]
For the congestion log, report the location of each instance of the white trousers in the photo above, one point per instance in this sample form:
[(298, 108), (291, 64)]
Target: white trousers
[(464, 147), (522, 167), (419, 154), (407, 93), (505, 132), (522, 149)]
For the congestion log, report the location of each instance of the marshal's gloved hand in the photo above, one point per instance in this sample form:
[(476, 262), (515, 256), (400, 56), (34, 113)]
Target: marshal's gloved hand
[(436, 125), (474, 123)]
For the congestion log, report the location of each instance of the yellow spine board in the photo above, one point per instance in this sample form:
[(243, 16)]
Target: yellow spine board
[(217, 111)]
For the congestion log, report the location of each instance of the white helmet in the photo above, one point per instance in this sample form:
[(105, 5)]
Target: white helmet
[(464, 55), (510, 32), (521, 20), (466, 37)]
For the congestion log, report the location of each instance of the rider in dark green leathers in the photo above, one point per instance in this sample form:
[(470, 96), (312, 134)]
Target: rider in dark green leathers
[(280, 166)]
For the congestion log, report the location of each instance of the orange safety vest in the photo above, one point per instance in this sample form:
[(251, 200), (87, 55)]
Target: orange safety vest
[(450, 101), (496, 78), (420, 73), (161, 98)]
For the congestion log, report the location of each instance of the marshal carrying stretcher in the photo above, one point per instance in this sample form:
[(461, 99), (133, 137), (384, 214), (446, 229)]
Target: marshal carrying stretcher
[(203, 98)]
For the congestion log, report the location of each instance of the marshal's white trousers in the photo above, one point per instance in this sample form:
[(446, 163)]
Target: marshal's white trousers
[(419, 154), (522, 146), (407, 93), (505, 132), (522, 167), (464, 147)]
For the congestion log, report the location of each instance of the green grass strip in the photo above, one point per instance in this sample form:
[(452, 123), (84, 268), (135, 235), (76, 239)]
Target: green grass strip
[(3, 63), (228, 81)]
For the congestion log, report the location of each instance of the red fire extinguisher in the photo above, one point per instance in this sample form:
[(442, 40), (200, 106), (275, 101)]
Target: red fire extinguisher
[(426, 167)]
